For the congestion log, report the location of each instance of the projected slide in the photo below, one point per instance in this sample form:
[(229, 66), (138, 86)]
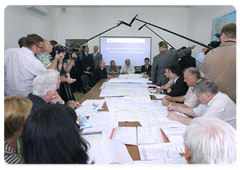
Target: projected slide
[(120, 48)]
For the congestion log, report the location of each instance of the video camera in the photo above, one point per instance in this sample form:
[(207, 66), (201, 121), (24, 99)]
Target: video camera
[(62, 49)]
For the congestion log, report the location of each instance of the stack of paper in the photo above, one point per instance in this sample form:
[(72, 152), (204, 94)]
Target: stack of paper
[(158, 151), (89, 108)]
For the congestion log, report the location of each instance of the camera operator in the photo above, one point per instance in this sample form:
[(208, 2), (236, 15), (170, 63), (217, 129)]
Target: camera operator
[(52, 60)]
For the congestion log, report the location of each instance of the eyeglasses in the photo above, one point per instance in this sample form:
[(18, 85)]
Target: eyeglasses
[(39, 47)]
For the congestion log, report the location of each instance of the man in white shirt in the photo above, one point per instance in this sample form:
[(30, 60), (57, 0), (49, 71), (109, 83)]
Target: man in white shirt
[(127, 68), (191, 77), (213, 104), (21, 66)]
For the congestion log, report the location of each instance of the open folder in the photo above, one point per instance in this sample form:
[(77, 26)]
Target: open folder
[(105, 151), (139, 135)]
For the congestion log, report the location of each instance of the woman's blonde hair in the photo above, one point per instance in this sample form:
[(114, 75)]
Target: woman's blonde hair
[(16, 109)]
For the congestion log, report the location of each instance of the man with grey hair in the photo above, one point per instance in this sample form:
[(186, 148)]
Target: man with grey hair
[(127, 68), (191, 77), (213, 104), (166, 57), (44, 90), (209, 140)]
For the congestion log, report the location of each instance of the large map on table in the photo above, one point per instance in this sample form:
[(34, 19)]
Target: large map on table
[(218, 23)]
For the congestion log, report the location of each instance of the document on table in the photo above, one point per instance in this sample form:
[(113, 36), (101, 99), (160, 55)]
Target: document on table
[(100, 123), (123, 92), (89, 107), (178, 142), (125, 135), (158, 151), (105, 151), (164, 122), (149, 135), (164, 161)]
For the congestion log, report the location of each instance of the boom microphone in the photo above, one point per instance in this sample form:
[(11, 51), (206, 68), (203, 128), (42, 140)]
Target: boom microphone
[(133, 20), (141, 27), (125, 23)]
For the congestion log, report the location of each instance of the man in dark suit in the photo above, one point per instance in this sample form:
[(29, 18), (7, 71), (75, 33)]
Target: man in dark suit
[(87, 60), (179, 87), (96, 56), (166, 57), (187, 60), (87, 63), (146, 68), (99, 73)]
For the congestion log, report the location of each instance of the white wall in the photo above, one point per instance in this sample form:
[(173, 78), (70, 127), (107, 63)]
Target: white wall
[(86, 22), (201, 23), (20, 21)]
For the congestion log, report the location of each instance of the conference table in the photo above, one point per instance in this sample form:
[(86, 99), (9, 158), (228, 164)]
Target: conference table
[(94, 94)]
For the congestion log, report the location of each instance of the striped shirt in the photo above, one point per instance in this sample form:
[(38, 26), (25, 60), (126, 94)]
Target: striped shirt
[(221, 106), (20, 68), (10, 155)]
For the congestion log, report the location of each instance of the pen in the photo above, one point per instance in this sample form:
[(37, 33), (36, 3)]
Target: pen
[(89, 133)]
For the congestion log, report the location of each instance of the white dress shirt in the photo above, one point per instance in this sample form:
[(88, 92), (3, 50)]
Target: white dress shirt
[(221, 106), (130, 69), (20, 68)]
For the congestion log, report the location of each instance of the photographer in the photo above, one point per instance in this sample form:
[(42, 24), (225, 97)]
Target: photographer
[(57, 63)]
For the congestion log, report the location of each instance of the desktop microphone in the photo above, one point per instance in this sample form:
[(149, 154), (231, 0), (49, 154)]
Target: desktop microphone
[(141, 27), (133, 20)]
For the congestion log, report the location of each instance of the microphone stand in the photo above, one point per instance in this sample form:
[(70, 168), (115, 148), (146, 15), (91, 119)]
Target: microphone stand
[(175, 34), (120, 22), (156, 34)]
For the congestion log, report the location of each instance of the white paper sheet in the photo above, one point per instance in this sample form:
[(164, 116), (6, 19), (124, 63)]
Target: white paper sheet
[(158, 151)]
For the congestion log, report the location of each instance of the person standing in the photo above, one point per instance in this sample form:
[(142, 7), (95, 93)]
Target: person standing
[(21, 66), (96, 56), (219, 64), (166, 57)]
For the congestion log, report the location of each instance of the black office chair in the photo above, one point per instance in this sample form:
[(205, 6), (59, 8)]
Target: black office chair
[(85, 81)]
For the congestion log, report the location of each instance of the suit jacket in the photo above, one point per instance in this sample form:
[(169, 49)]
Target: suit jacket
[(166, 57), (148, 70), (187, 61), (179, 88), (87, 61), (97, 59), (97, 75)]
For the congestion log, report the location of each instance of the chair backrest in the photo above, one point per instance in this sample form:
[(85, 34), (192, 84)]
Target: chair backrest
[(85, 80)]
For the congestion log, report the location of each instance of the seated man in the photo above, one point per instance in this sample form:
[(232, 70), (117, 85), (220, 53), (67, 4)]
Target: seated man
[(209, 140), (179, 87), (44, 90), (146, 68), (213, 104), (169, 83), (191, 77), (99, 73), (113, 69), (127, 68)]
